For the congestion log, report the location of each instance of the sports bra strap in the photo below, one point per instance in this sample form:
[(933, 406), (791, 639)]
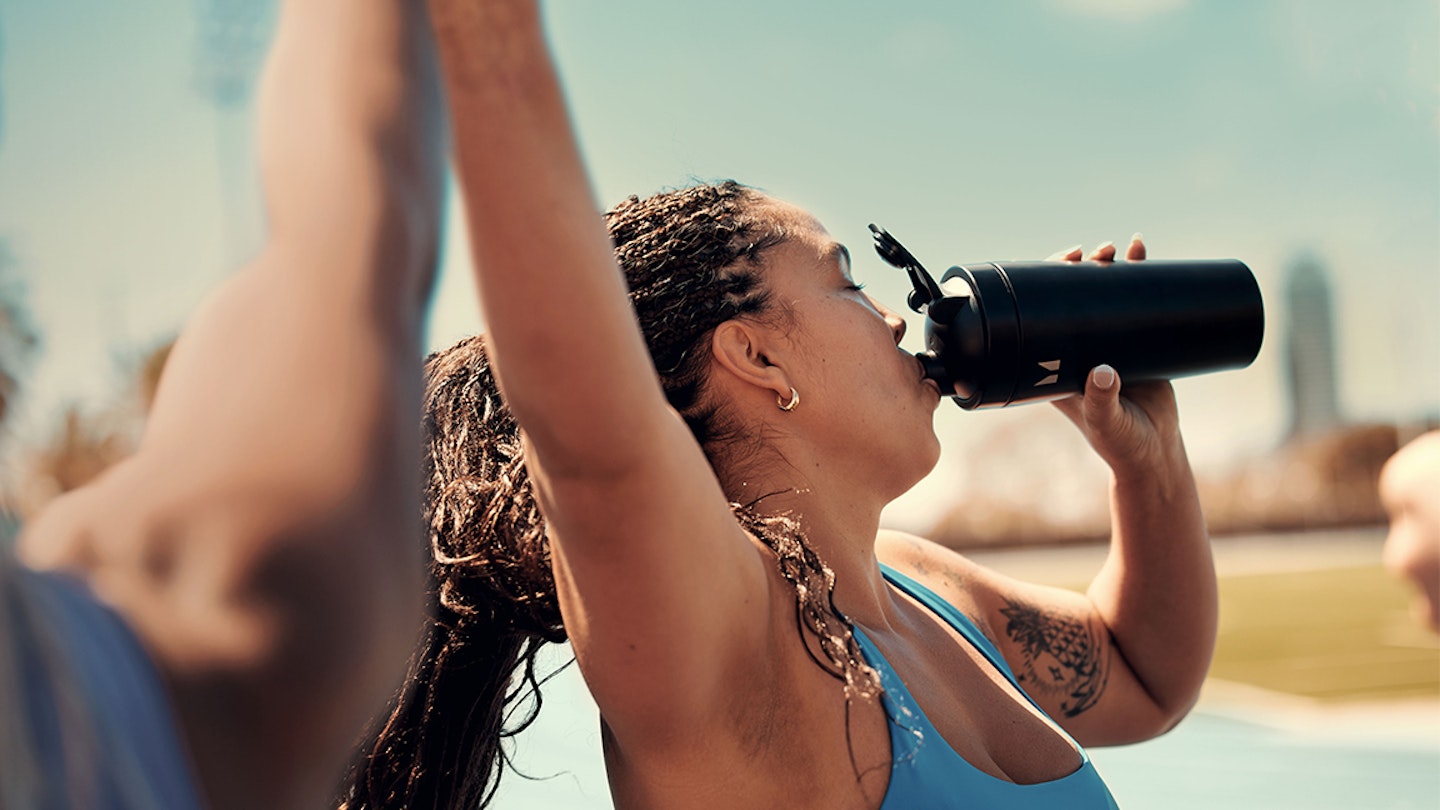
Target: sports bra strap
[(957, 620)]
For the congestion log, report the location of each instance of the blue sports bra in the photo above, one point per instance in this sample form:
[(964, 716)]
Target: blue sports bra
[(925, 772)]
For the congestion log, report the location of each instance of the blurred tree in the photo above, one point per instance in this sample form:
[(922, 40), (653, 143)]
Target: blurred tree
[(18, 337), (85, 442)]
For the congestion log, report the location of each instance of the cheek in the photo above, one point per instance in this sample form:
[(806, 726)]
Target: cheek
[(857, 350)]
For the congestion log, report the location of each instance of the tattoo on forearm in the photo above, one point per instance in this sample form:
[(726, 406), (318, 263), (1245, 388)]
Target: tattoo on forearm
[(1062, 658)]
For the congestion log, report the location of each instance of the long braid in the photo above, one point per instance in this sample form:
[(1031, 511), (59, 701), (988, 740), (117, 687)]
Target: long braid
[(691, 259)]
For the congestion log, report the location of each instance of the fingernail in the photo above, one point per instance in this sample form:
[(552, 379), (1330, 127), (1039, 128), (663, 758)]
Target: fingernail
[(1104, 245), (1069, 250), (1137, 237), (1104, 376)]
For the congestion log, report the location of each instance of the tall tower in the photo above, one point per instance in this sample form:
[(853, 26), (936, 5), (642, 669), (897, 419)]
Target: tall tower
[(1310, 349), (232, 40)]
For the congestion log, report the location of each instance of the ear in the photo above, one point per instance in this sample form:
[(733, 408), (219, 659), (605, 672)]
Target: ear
[(746, 351)]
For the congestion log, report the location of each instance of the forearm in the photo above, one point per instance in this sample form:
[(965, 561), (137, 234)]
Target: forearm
[(1156, 591), (564, 341), (351, 150)]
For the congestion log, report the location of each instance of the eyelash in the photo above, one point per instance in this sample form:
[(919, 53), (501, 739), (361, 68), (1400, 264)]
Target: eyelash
[(857, 287)]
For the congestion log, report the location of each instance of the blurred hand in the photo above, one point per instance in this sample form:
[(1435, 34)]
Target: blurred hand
[(1408, 483), (1139, 429)]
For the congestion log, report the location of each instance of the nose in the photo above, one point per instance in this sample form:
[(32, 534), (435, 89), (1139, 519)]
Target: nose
[(893, 320)]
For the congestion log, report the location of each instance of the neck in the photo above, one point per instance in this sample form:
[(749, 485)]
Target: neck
[(840, 517)]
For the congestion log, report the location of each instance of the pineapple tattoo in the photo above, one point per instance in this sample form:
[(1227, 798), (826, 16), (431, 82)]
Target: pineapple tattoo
[(1063, 658)]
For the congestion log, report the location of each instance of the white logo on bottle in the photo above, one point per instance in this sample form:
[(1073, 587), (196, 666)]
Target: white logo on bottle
[(1052, 378)]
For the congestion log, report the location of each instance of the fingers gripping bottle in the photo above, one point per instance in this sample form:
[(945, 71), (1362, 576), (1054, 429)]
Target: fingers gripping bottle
[(1005, 333)]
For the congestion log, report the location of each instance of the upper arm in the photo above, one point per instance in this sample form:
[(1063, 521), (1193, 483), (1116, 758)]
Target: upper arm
[(664, 596), (1054, 640), (666, 599)]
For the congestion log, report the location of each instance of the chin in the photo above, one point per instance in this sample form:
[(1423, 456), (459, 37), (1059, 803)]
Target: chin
[(932, 455), (930, 444), (923, 459)]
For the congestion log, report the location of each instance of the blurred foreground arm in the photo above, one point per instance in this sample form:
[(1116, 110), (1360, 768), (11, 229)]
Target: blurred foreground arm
[(1410, 491), (263, 543)]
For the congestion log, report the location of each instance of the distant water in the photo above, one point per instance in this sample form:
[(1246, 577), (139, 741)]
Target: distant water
[(1210, 761)]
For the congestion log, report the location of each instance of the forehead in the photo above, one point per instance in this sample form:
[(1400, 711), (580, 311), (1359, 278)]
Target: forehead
[(796, 220), (806, 239)]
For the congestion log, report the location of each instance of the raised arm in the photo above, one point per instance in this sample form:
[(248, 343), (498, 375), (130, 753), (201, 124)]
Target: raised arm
[(263, 542), (637, 523), (564, 341), (1156, 593), (1124, 661)]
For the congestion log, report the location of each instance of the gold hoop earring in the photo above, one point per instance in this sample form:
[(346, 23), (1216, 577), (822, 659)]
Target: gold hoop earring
[(788, 406)]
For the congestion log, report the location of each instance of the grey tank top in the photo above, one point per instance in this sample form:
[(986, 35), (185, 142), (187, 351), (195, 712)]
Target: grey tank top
[(88, 722)]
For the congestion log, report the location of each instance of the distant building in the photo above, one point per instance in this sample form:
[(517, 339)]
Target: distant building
[(233, 37), (1310, 349)]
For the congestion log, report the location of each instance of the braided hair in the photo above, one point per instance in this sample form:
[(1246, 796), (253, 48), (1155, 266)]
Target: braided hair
[(691, 259)]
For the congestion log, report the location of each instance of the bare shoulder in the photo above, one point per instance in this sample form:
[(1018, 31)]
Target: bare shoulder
[(951, 575), (922, 559), (988, 596)]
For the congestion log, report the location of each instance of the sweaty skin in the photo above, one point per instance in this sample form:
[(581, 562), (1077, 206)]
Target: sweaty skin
[(683, 628)]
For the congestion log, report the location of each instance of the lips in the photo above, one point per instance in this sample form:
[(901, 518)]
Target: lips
[(926, 381)]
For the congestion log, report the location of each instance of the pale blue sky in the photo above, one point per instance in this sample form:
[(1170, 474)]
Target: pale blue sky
[(1253, 129)]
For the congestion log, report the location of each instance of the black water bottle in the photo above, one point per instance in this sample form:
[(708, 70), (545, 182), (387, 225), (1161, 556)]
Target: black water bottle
[(1003, 333)]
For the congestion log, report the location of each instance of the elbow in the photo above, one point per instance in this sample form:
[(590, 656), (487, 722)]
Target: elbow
[(281, 578), (1164, 714), (1138, 725), (1172, 714)]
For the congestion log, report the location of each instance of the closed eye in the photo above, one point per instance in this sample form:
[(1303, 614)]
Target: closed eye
[(856, 286)]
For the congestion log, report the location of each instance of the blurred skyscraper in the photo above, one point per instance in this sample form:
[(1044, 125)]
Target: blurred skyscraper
[(1310, 349), (232, 39)]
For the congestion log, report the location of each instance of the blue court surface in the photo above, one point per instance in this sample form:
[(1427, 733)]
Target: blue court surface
[(1213, 761)]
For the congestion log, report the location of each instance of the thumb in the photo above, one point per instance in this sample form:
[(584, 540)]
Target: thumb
[(1102, 400)]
